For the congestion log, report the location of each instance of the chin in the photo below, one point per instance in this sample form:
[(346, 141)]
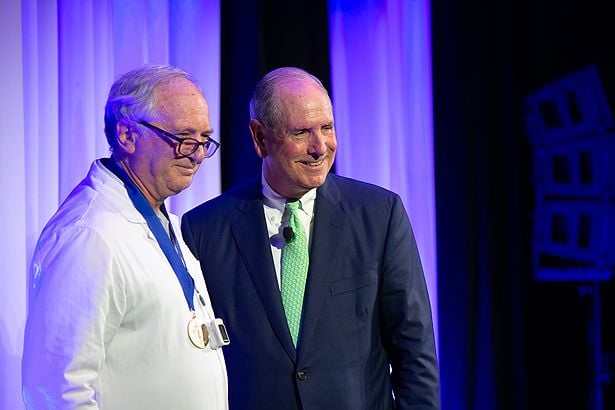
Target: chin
[(177, 188), (314, 183)]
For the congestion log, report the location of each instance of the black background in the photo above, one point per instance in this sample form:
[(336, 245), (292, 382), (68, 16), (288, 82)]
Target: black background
[(506, 340)]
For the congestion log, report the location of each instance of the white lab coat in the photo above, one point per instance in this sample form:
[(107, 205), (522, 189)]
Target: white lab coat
[(107, 323)]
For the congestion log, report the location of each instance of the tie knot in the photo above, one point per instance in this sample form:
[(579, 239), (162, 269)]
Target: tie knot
[(292, 206)]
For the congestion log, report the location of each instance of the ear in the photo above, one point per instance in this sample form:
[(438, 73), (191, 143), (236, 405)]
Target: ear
[(257, 130), (125, 138)]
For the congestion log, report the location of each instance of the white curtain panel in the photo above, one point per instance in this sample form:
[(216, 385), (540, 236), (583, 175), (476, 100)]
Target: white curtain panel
[(59, 59), (382, 98)]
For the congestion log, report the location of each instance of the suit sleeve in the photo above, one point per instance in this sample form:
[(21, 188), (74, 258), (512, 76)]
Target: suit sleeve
[(76, 305), (407, 328), (188, 237)]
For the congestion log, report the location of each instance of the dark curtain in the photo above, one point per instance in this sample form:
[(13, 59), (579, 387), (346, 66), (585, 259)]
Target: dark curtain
[(506, 340), (258, 36)]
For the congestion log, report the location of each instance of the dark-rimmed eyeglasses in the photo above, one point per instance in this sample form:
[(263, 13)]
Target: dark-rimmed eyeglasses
[(185, 146)]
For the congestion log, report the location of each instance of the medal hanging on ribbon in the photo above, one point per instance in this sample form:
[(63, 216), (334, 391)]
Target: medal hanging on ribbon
[(197, 330)]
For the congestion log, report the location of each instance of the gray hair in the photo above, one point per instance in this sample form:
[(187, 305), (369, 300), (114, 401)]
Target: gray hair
[(265, 104), (132, 96)]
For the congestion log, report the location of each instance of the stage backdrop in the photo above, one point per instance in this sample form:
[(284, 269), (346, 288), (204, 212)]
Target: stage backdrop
[(382, 97), (59, 61), (60, 58)]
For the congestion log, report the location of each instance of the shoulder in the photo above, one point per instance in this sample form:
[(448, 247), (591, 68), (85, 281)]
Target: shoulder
[(83, 209), (355, 191), (90, 216), (238, 197), (76, 232), (360, 200), (99, 203)]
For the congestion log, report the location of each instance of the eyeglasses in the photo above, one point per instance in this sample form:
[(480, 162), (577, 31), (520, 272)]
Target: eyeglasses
[(186, 146)]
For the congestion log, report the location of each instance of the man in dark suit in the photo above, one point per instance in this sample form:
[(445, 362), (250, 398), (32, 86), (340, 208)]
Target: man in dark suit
[(347, 327)]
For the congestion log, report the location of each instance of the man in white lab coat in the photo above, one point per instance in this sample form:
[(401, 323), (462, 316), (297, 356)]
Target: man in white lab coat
[(119, 315)]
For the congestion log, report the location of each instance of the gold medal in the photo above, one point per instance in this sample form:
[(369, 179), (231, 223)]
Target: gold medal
[(197, 332)]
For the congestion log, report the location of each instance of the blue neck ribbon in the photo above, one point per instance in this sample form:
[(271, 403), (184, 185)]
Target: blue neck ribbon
[(169, 245)]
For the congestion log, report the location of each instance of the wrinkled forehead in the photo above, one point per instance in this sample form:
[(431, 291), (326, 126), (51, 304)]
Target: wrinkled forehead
[(168, 91), (179, 97), (297, 95), (298, 86)]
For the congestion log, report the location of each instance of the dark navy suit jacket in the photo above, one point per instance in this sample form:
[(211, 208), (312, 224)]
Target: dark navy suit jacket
[(365, 307)]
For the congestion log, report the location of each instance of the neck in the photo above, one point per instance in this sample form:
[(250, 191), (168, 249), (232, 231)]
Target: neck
[(286, 193), (125, 165)]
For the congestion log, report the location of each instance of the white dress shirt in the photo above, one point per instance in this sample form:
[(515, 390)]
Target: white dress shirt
[(273, 204)]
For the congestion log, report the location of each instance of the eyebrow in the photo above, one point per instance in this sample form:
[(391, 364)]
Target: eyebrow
[(328, 124), (191, 131)]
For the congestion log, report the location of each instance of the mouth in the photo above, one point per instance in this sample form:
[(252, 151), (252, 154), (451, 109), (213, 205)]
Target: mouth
[(313, 164), (186, 170)]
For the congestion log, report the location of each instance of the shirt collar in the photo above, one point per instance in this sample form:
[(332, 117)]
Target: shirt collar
[(274, 200)]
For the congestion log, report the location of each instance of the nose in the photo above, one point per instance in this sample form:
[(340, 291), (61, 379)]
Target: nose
[(198, 156), (317, 145)]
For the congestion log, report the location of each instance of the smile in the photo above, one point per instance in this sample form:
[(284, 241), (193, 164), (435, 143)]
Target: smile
[(187, 171), (313, 164)]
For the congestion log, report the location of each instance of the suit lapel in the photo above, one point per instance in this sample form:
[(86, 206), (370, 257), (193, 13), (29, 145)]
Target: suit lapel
[(250, 232), (329, 221)]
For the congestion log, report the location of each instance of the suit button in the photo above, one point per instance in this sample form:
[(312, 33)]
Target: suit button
[(301, 375)]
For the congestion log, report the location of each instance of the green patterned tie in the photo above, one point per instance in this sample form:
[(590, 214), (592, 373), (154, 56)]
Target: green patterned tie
[(295, 262)]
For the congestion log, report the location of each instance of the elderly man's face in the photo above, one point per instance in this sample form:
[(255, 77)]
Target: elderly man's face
[(298, 155), (160, 172)]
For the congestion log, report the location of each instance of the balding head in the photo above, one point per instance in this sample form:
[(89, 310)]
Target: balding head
[(265, 104)]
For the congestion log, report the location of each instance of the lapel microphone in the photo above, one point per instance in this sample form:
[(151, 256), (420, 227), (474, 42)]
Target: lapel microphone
[(288, 234)]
